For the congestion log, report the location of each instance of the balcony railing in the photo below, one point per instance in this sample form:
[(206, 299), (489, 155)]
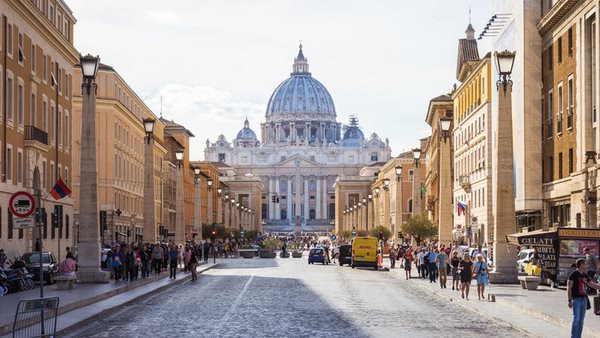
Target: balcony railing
[(34, 134)]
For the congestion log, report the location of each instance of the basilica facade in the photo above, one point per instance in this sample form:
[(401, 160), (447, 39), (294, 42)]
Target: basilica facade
[(303, 149)]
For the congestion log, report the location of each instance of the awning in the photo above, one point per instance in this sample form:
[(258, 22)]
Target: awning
[(538, 237)]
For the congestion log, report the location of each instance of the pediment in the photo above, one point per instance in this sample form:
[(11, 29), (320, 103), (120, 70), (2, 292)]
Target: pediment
[(297, 161)]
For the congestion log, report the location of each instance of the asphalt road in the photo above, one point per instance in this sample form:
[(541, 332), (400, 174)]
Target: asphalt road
[(289, 298)]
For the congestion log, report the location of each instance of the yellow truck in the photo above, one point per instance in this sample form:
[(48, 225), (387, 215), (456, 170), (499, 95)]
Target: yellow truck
[(364, 252)]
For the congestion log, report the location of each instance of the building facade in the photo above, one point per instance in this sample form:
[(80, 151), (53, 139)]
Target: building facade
[(121, 146), (36, 67), (303, 149)]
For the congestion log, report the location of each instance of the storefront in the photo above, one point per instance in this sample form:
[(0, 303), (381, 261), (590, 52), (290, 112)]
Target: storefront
[(559, 248)]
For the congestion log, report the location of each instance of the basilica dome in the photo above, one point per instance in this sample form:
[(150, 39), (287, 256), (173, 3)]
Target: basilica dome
[(301, 93)]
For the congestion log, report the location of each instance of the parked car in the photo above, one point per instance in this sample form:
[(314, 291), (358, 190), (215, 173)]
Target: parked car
[(345, 254), (317, 255), (49, 265), (523, 258)]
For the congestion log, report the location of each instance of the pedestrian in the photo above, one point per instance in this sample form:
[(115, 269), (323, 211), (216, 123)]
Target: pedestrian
[(479, 251), (481, 274), (68, 266), (173, 256), (454, 261), (578, 300), (466, 274), (144, 260), (284, 248), (592, 264), (408, 258), (3, 258), (421, 264), (129, 264), (186, 258), (206, 251), (157, 257), (193, 262), (432, 266), (442, 261), (392, 254), (116, 265)]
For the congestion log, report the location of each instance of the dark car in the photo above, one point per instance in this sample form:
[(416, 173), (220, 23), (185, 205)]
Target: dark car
[(49, 265), (317, 256), (345, 255)]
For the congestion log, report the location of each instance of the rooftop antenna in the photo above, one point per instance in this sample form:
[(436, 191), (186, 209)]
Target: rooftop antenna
[(469, 14), (161, 106)]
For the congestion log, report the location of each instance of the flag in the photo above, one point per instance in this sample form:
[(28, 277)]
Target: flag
[(60, 190), (461, 207)]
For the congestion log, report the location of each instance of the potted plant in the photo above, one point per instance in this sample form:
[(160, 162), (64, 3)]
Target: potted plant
[(296, 248), (268, 245)]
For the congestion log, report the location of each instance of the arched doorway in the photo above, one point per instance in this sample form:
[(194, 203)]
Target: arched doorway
[(312, 214)]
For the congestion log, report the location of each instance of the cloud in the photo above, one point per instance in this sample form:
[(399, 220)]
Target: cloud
[(206, 112), (165, 17)]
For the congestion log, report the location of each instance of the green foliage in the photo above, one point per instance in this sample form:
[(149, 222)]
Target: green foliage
[(271, 243), (420, 227), (374, 232), (222, 231), (295, 246), (346, 234), (360, 233)]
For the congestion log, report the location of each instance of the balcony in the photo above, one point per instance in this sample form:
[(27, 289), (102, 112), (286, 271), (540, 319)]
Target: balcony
[(465, 183), (36, 138)]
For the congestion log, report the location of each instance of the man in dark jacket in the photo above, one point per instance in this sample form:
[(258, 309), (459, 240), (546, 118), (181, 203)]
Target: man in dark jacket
[(173, 255), (129, 263)]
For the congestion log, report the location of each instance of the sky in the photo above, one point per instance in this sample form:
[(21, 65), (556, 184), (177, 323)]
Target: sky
[(214, 63)]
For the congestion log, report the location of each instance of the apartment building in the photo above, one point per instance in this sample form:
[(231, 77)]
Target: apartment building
[(36, 68)]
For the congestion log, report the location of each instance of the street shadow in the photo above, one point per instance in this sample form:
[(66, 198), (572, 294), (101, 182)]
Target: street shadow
[(231, 306), (246, 263)]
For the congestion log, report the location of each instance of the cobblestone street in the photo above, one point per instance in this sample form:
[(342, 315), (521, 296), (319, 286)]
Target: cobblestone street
[(288, 298)]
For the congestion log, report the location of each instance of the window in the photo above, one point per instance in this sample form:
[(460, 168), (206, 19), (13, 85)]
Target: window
[(52, 126), (550, 57), (570, 103), (551, 168), (19, 166), (20, 102), (66, 130), (60, 79), (45, 114), (33, 61), (10, 224), (33, 112), (9, 162), (9, 47), (560, 109), (570, 160), (374, 157), (44, 68), (410, 175), (550, 111), (570, 42), (21, 56), (10, 97), (559, 50), (67, 226), (60, 130), (560, 166)]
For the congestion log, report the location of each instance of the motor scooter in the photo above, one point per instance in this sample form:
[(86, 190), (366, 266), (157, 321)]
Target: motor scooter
[(18, 278), (3, 283)]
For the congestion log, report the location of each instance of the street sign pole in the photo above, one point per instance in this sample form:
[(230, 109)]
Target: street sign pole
[(38, 195)]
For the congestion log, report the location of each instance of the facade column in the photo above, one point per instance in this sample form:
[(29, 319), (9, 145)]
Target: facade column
[(376, 209), (399, 205), (416, 196), (288, 198), (305, 197), (197, 202), (270, 199), (324, 201), (219, 210), (318, 181), (227, 220), (277, 205), (278, 132), (292, 138), (445, 212), (209, 207), (150, 234), (179, 200), (307, 132), (386, 208)]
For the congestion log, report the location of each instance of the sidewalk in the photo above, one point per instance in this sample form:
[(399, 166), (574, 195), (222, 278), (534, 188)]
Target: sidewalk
[(543, 312), (90, 300)]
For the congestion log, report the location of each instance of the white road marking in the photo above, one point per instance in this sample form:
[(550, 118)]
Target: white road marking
[(234, 306)]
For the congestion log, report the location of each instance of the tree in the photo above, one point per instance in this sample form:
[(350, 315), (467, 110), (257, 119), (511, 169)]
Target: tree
[(346, 234), (374, 232), (420, 227)]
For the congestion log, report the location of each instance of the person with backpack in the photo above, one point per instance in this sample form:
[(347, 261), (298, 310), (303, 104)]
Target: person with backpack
[(481, 275)]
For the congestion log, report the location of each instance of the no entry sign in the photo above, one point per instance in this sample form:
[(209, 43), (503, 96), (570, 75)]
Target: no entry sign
[(21, 204)]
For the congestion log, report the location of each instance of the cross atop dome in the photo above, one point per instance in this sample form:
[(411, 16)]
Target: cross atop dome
[(300, 63)]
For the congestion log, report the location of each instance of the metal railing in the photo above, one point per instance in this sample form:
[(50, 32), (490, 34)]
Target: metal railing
[(35, 134)]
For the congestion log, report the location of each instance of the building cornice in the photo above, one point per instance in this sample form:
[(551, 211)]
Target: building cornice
[(556, 14)]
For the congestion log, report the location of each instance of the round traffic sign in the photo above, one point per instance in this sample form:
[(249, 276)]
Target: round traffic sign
[(21, 204)]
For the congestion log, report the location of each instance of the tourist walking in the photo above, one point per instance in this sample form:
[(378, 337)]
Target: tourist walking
[(129, 264), (392, 257), (454, 261), (421, 264), (157, 257), (193, 263), (442, 262), (592, 266), (407, 258), (466, 274), (173, 256), (481, 272), (431, 266), (577, 295), (144, 258)]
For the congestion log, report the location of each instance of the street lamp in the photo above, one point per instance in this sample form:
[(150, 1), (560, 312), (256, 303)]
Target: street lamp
[(179, 157), (445, 127), (376, 192), (219, 191), (149, 202), (398, 172), (386, 183), (504, 206), (179, 199), (196, 175), (89, 229), (210, 183), (417, 156), (504, 61)]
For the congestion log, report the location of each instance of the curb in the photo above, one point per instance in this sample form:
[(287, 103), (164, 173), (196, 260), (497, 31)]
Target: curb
[(8, 327)]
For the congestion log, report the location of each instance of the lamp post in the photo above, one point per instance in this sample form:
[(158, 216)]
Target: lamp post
[(399, 201), (227, 220), (445, 212), (150, 234), (416, 200), (372, 213), (219, 209), (179, 199), (504, 206), (209, 202), (377, 203), (359, 216), (366, 212), (197, 201), (89, 230), (233, 213), (386, 203), (238, 212)]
